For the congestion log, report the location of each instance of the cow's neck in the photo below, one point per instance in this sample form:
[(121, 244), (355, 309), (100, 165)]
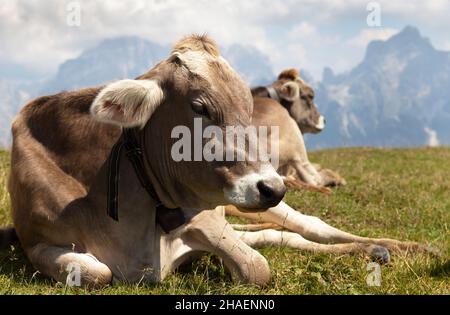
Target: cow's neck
[(133, 200), (267, 91), (135, 235), (130, 145)]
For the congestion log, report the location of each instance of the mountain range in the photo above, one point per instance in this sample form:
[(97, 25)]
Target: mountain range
[(398, 96), (129, 57)]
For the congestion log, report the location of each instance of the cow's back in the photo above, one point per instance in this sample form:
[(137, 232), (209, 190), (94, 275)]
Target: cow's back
[(268, 112), (59, 127)]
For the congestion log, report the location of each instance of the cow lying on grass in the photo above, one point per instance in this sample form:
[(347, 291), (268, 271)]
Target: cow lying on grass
[(289, 104), (69, 152)]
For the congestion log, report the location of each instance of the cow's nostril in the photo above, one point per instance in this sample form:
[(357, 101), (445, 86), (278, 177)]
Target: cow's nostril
[(271, 191), (264, 189)]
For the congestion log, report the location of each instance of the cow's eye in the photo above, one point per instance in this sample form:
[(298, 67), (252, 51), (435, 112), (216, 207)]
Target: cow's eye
[(199, 108)]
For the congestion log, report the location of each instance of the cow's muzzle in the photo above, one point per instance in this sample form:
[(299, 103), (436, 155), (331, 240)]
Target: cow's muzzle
[(256, 191), (271, 192), (321, 123)]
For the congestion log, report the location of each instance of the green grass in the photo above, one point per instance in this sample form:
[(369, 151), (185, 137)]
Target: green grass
[(403, 194)]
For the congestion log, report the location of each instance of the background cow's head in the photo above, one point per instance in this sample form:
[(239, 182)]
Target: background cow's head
[(298, 98), (194, 82)]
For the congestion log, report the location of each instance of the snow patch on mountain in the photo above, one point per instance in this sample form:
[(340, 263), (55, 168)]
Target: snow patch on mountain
[(433, 140)]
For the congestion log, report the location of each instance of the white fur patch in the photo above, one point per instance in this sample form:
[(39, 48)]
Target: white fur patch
[(321, 124), (127, 103), (245, 192), (198, 62)]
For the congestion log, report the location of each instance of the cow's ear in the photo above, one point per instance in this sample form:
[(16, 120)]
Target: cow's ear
[(290, 91), (127, 103)]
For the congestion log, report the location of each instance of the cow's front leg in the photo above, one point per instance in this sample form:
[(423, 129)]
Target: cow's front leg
[(210, 232), (69, 267), (271, 237), (314, 229)]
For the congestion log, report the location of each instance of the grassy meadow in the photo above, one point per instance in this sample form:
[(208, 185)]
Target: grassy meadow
[(396, 193)]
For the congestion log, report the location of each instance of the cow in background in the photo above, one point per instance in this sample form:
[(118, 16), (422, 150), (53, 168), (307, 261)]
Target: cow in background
[(289, 104)]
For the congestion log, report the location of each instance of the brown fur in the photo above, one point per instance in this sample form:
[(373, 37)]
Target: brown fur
[(197, 43), (58, 179), (74, 135), (293, 118), (58, 189), (289, 74)]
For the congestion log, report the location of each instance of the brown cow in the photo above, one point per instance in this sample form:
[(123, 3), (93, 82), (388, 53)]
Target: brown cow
[(60, 168), (289, 104), (297, 98), (61, 174)]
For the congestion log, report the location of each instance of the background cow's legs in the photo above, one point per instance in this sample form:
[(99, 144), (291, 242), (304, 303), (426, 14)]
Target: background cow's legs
[(58, 262), (302, 166), (312, 173), (303, 175), (210, 232), (331, 178), (306, 172), (314, 229), (293, 240), (294, 182)]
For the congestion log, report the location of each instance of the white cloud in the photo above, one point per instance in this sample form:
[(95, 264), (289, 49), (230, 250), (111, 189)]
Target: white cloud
[(302, 33), (36, 33), (445, 45), (418, 10), (292, 56), (369, 34)]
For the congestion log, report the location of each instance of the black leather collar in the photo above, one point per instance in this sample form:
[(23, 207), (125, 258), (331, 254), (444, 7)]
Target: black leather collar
[(168, 219)]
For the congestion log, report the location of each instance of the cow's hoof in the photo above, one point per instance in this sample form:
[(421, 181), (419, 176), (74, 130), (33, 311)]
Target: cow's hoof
[(261, 271), (331, 178), (380, 254), (254, 271)]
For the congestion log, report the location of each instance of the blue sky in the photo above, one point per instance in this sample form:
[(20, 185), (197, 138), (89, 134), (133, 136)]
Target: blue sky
[(293, 33)]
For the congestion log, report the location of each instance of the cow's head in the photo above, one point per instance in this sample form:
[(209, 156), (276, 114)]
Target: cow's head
[(194, 82), (298, 98)]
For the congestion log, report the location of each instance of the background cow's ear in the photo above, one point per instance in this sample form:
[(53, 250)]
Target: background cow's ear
[(290, 91), (127, 103)]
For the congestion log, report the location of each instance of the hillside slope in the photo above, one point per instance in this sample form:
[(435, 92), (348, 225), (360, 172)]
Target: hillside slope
[(400, 194)]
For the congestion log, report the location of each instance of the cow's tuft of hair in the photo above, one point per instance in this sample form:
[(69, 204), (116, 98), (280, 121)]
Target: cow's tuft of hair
[(202, 43), (290, 74)]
